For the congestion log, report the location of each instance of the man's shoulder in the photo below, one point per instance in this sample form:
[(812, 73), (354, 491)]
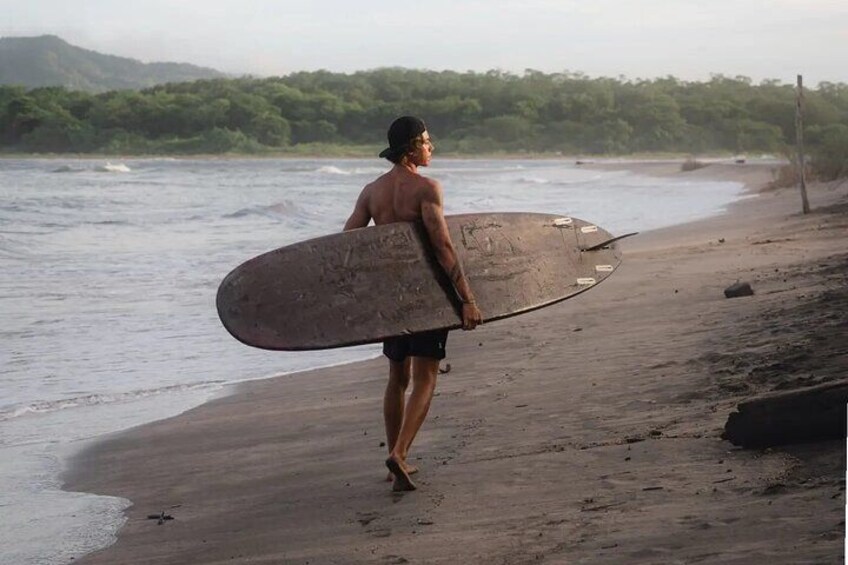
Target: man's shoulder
[(433, 183), (377, 181), (429, 186), (373, 185)]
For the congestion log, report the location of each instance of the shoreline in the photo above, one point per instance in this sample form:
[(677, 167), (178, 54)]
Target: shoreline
[(437, 443)]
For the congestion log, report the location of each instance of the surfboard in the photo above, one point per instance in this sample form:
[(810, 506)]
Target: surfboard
[(364, 285)]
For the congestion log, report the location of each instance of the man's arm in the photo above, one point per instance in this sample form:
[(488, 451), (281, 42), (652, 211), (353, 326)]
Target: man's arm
[(360, 216), (432, 213)]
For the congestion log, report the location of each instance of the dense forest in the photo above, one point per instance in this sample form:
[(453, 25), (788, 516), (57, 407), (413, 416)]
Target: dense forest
[(467, 113)]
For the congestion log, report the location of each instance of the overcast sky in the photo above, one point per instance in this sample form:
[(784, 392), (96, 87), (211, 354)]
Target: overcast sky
[(767, 39)]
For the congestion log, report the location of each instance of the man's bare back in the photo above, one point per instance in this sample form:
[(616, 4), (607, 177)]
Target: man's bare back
[(396, 196)]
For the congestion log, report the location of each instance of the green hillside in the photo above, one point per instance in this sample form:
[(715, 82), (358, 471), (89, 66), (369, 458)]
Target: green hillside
[(50, 61)]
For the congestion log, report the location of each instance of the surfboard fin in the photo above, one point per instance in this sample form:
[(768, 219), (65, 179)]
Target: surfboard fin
[(606, 243)]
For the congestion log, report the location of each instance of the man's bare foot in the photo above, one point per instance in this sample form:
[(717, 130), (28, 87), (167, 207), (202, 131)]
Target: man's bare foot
[(410, 470), (402, 480)]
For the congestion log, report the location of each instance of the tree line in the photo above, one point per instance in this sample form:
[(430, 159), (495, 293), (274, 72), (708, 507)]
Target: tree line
[(467, 113)]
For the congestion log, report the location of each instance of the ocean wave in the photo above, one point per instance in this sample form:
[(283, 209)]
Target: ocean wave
[(331, 170), (55, 225), (486, 170), (67, 169), (110, 168), (560, 182), (369, 170), (111, 223), (534, 180), (284, 209), (98, 399)]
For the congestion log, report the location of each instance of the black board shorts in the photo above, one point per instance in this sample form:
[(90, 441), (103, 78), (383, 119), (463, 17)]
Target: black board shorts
[(425, 344)]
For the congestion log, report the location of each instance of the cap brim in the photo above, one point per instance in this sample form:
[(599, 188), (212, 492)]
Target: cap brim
[(385, 152)]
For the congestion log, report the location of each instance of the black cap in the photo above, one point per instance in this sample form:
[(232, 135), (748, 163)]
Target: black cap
[(402, 131)]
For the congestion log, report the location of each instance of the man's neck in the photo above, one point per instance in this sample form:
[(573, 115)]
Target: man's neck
[(407, 167)]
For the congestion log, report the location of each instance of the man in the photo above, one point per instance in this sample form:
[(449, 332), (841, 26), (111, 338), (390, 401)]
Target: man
[(403, 195)]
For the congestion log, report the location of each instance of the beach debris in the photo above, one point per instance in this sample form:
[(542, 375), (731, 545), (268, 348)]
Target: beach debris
[(692, 164), (445, 369), (809, 414), (160, 518), (601, 507), (738, 289)]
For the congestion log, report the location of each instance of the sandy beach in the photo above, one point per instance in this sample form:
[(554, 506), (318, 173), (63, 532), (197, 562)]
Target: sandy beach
[(587, 432)]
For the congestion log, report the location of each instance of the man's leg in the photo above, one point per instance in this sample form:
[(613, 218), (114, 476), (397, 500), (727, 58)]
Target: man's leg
[(394, 399), (394, 403), (424, 372)]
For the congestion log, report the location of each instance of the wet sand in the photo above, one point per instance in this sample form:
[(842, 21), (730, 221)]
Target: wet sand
[(587, 432)]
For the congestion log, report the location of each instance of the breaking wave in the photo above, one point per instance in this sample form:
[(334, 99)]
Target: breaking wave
[(333, 170), (284, 209)]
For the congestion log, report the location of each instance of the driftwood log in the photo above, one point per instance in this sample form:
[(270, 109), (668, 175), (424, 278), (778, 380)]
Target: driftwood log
[(810, 414)]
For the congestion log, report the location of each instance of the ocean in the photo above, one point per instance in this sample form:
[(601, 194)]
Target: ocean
[(107, 294)]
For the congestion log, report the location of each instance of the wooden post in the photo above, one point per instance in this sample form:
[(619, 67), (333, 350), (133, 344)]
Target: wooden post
[(799, 141)]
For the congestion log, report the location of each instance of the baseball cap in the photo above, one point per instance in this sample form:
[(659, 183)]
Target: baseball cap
[(401, 132)]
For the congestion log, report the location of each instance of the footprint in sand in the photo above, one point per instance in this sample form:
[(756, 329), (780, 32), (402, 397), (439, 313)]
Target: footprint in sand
[(366, 518)]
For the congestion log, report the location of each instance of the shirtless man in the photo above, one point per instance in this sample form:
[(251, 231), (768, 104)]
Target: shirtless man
[(403, 195)]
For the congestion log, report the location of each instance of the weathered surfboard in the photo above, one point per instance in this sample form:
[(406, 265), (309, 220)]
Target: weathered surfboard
[(365, 285)]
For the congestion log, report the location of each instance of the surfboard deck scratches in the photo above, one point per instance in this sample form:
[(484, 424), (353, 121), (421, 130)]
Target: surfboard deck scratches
[(365, 285)]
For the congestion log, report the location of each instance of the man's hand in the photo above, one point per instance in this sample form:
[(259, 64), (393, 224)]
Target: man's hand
[(471, 316)]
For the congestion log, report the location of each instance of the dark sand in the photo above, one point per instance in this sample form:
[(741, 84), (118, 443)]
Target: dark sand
[(587, 432)]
